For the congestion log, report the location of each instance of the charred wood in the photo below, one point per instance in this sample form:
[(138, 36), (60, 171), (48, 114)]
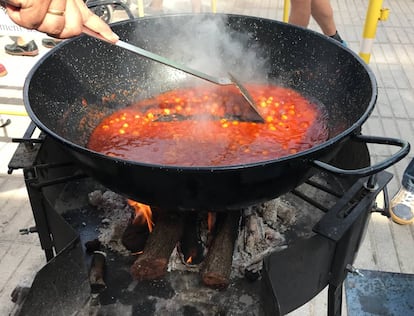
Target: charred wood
[(97, 272), (135, 237), (217, 265), (191, 247), (93, 245), (153, 262)]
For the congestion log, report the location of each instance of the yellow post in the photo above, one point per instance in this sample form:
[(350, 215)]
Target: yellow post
[(14, 112), (214, 6), (140, 4), (286, 9), (375, 13)]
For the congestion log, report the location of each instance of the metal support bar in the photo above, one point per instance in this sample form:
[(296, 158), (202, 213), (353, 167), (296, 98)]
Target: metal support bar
[(58, 180), (39, 213), (124, 6), (342, 216)]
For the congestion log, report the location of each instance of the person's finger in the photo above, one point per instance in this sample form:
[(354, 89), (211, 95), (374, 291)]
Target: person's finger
[(18, 3), (95, 24), (73, 20), (55, 19), (58, 18), (28, 14), (75, 16)]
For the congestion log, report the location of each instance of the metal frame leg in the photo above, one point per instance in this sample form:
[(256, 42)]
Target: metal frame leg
[(335, 300)]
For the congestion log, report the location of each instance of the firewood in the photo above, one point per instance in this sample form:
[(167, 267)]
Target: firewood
[(97, 272), (190, 246), (153, 262), (217, 265), (93, 245), (135, 237)]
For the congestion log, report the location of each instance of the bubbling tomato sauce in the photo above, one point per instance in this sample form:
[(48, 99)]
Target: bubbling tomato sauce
[(203, 126)]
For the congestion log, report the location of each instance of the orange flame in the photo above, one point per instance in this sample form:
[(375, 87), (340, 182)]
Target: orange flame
[(143, 214), (189, 260)]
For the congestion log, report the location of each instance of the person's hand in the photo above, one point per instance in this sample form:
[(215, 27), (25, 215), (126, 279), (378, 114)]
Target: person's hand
[(27, 13), (58, 18)]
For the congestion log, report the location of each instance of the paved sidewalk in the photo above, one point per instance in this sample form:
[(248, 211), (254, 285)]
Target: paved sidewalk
[(387, 246)]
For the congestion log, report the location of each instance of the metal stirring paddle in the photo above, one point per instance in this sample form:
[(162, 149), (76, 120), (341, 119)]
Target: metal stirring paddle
[(223, 81)]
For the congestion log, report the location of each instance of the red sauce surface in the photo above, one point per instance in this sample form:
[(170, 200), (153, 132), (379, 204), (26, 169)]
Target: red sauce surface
[(202, 127)]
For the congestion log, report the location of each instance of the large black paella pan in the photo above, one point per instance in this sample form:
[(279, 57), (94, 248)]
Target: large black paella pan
[(72, 88)]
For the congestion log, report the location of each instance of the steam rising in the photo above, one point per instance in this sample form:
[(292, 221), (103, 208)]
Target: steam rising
[(207, 44)]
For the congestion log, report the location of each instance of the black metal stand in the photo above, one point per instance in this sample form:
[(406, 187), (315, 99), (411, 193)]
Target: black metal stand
[(334, 300), (295, 275), (42, 180), (291, 277)]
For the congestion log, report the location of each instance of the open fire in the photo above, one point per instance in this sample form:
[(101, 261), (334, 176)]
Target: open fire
[(217, 245), (142, 215)]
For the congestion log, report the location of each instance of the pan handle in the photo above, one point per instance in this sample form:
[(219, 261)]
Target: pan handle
[(368, 171)]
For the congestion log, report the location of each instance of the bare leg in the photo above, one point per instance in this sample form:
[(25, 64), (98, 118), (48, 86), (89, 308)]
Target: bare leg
[(21, 41), (196, 6), (300, 12), (156, 5), (323, 14)]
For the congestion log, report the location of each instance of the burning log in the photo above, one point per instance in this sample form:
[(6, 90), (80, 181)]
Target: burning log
[(191, 247), (135, 237), (153, 262), (136, 233), (217, 265)]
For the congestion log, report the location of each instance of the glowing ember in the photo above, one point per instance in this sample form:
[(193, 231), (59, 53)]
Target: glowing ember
[(211, 220), (143, 214)]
